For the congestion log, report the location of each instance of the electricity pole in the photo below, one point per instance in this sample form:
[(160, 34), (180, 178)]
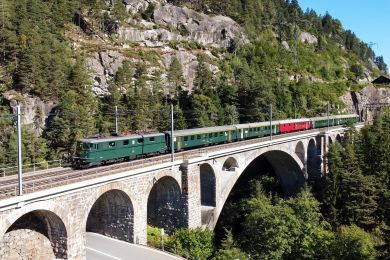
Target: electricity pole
[(172, 138), (116, 119), (327, 114), (19, 133), (270, 121)]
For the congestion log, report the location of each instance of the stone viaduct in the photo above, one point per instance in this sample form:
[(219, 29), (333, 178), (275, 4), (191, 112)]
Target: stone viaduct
[(52, 224)]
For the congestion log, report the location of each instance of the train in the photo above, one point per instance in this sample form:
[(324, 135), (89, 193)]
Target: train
[(96, 151)]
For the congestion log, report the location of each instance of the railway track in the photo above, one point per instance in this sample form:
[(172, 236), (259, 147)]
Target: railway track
[(63, 176)]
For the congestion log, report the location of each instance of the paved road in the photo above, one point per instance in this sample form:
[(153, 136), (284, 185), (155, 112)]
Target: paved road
[(100, 247)]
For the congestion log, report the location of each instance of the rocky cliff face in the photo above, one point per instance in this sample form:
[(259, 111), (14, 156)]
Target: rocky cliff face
[(364, 99), (34, 110), (168, 29)]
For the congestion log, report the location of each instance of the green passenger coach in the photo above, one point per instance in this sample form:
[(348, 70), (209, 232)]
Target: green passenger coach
[(192, 138)]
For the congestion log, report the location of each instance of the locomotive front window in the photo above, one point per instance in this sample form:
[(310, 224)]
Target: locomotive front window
[(85, 146)]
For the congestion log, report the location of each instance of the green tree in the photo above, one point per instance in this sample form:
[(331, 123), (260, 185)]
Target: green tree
[(353, 243), (175, 78), (229, 250), (74, 119), (193, 243), (269, 230)]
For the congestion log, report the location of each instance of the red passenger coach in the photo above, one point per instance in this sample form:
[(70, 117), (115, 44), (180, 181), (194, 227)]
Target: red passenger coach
[(292, 125)]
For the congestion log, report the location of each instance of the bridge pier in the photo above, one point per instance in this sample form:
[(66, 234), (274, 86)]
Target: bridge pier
[(191, 194)]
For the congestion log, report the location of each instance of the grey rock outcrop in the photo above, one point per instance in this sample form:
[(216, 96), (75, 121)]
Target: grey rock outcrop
[(150, 38), (103, 66), (136, 6), (35, 110), (285, 45), (307, 38), (217, 31), (189, 63), (366, 96)]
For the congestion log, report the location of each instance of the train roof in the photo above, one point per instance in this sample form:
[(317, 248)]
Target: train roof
[(299, 120), (202, 130), (333, 117), (117, 138)]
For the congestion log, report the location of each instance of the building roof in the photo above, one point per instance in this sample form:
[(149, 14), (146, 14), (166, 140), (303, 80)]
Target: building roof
[(382, 80)]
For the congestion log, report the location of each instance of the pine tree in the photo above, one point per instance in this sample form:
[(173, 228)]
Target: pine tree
[(175, 78)]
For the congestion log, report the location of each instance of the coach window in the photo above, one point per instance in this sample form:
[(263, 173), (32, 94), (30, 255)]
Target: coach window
[(198, 137), (210, 135), (96, 146), (192, 137), (140, 141), (111, 144), (126, 142), (185, 138), (151, 139), (215, 134)]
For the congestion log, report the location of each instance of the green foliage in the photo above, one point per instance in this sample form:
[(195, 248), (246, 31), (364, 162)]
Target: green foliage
[(230, 253), (154, 237), (357, 70), (353, 243), (147, 14), (193, 243), (175, 77), (74, 120), (289, 229)]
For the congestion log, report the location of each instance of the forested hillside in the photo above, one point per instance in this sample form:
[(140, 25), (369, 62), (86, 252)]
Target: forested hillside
[(80, 59)]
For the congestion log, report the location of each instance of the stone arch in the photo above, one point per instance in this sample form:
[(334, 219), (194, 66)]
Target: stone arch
[(41, 229), (287, 168), (207, 185), (300, 151), (112, 215), (165, 205), (230, 164)]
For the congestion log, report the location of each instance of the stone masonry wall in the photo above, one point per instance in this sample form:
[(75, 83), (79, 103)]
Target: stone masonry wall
[(26, 244)]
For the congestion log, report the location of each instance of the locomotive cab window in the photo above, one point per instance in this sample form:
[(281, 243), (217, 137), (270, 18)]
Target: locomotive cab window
[(126, 142), (111, 144), (85, 146)]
